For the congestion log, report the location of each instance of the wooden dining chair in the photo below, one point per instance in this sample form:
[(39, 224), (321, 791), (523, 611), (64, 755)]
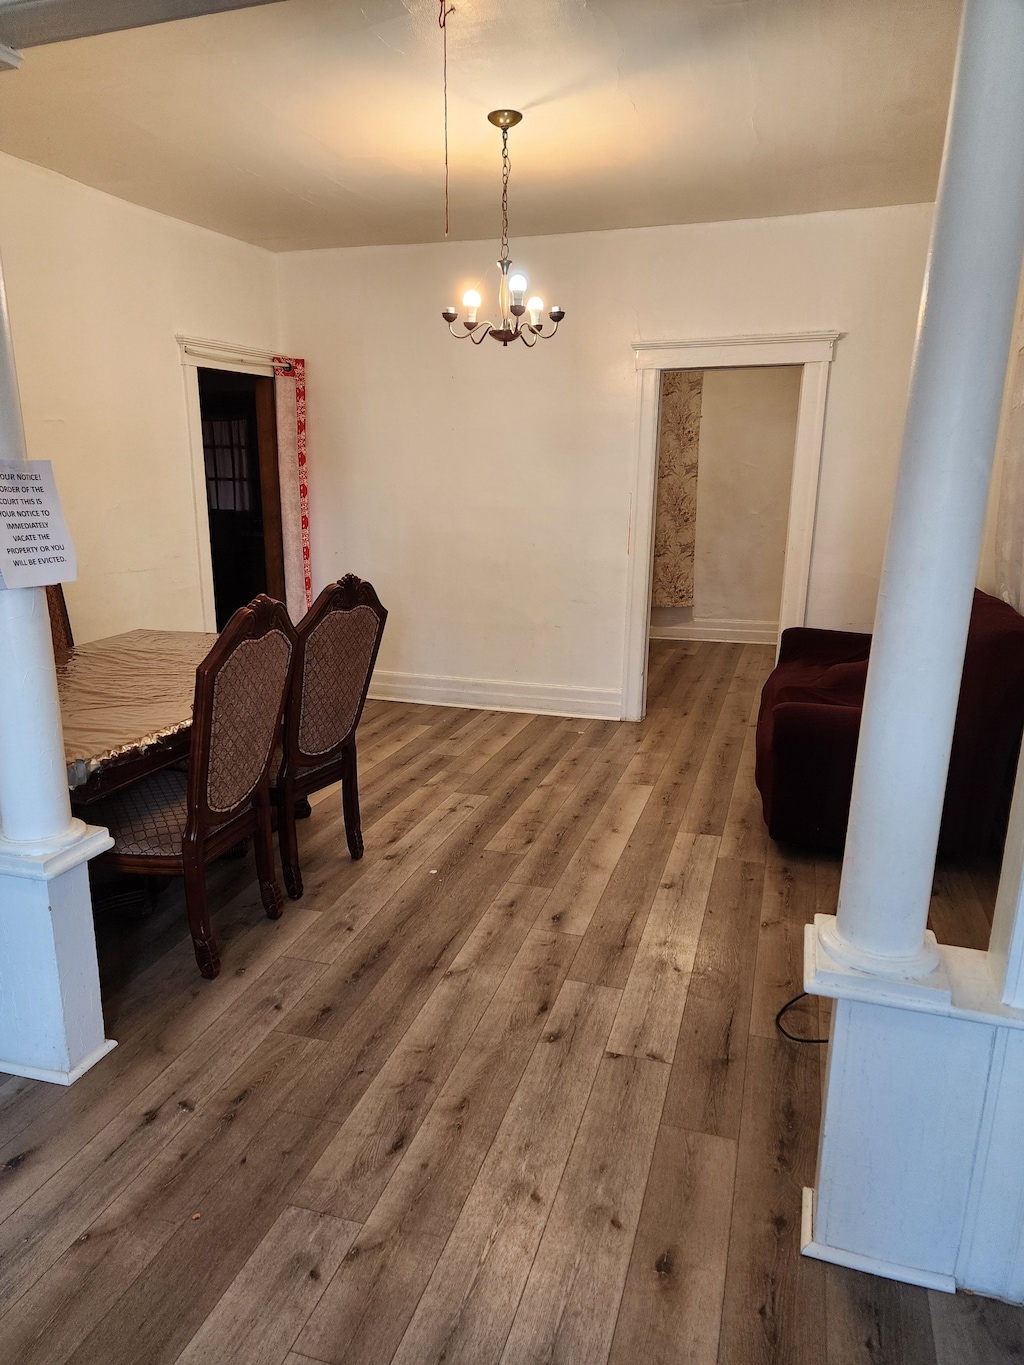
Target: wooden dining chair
[(173, 823), (338, 639), (60, 622)]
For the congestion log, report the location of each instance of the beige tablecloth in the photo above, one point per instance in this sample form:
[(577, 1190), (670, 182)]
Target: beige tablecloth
[(122, 695)]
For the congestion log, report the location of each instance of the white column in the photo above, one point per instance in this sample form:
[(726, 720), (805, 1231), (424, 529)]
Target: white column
[(51, 1021), (931, 558), (34, 808)]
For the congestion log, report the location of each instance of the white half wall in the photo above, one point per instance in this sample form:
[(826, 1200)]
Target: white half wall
[(97, 290), (485, 491)]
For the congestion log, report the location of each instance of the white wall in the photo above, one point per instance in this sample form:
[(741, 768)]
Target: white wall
[(97, 290), (744, 474), (485, 492)]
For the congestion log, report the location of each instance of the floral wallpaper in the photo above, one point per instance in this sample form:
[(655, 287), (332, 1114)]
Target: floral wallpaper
[(676, 517)]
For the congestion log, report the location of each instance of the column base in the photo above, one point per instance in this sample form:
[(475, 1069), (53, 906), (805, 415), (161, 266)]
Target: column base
[(870, 1265), (42, 1073), (827, 973), (916, 967), (42, 862), (51, 1018)]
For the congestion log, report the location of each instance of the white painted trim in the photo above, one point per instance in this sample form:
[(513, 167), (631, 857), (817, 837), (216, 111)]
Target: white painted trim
[(10, 58), (640, 544), (222, 355), (200, 509), (214, 355), (814, 351), (710, 628), (803, 494), (871, 1265), (818, 344), (495, 694), (42, 1073)]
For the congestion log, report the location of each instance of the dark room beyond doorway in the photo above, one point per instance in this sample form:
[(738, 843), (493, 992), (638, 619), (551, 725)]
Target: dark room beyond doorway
[(243, 494)]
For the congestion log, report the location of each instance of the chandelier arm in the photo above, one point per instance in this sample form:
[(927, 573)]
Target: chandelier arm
[(524, 333), (472, 332)]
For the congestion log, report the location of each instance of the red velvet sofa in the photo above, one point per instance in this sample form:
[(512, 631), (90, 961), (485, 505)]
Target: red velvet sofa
[(809, 721)]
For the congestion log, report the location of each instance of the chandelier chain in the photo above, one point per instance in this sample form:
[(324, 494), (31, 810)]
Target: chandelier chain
[(517, 320), (506, 167), (442, 20)]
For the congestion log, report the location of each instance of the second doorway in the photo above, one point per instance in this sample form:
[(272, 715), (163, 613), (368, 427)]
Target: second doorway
[(243, 492)]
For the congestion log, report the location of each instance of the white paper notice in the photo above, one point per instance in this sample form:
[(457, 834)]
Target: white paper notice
[(35, 548)]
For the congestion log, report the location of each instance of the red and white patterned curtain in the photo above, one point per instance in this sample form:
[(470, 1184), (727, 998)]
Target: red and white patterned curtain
[(290, 396)]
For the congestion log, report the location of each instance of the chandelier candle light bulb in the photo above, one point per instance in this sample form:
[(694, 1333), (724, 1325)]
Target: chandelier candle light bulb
[(512, 288), (471, 302)]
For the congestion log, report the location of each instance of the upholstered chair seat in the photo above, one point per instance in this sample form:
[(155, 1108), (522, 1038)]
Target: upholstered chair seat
[(148, 819)]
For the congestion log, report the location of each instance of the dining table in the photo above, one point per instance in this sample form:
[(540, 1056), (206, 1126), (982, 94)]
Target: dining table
[(126, 707)]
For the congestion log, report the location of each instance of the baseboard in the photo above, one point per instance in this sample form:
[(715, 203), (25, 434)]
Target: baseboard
[(871, 1265), (493, 694), (45, 1073), (718, 628)]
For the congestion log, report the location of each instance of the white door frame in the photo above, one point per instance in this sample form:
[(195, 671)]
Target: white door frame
[(811, 350), (211, 355)]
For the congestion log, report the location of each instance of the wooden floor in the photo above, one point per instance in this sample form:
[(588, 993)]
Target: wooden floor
[(507, 1090)]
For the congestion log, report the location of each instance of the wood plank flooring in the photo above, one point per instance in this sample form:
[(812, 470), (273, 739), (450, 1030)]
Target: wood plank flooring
[(508, 1090)]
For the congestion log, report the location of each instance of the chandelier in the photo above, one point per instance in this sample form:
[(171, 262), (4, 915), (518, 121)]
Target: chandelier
[(519, 321)]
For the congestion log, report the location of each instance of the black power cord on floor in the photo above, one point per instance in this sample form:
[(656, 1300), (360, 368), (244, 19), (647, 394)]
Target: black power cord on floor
[(784, 1031)]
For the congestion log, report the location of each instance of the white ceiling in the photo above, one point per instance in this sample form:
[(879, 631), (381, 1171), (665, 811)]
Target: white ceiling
[(24, 23), (313, 123)]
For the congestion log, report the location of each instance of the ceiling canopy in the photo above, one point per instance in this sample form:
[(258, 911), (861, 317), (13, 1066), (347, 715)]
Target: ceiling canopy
[(314, 123)]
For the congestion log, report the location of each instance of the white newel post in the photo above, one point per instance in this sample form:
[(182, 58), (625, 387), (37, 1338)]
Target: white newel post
[(918, 1173), (51, 1023)]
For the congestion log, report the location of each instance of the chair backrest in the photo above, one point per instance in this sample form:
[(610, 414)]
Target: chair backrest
[(60, 622), (338, 639), (236, 719)]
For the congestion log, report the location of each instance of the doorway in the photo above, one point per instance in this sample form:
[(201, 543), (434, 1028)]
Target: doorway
[(725, 461), (813, 352), (243, 494)]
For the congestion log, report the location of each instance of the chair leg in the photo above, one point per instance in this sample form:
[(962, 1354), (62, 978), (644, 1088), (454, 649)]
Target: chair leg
[(270, 892), (197, 906), (288, 843), (350, 803)]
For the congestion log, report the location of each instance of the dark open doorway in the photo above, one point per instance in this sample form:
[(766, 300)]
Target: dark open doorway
[(243, 493)]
